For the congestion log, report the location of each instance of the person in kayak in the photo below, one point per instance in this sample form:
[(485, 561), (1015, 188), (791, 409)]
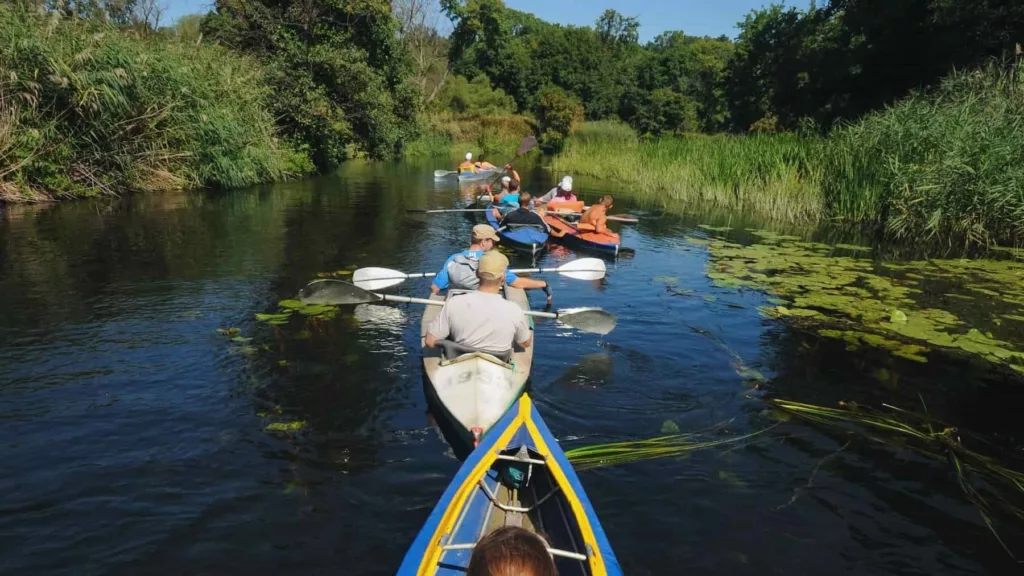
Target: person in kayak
[(509, 192), (511, 550), (468, 165), (560, 193), (522, 216), (596, 217), (483, 319), (459, 270)]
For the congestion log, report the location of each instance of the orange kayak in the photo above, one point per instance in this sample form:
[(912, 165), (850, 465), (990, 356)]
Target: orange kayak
[(582, 236)]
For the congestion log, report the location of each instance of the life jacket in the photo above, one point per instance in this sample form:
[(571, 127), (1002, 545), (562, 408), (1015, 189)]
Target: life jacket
[(462, 272), (467, 166)]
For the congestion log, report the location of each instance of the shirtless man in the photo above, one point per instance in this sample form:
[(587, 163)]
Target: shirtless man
[(597, 215)]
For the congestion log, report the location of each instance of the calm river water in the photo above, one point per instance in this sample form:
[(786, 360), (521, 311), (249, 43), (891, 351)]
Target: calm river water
[(134, 435)]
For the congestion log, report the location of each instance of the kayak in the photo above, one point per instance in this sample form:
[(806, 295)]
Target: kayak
[(569, 233), (471, 391), (529, 239), (479, 175), (518, 476)]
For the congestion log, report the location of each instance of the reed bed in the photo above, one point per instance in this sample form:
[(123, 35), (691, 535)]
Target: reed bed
[(88, 109), (770, 176)]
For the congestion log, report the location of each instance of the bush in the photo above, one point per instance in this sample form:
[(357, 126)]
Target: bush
[(558, 114), (665, 111), (90, 109), (474, 98)]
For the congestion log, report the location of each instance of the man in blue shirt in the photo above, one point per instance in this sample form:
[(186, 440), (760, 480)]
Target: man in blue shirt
[(459, 270)]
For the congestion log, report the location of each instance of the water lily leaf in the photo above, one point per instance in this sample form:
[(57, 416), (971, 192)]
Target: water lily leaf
[(292, 304), (316, 309), (241, 339), (714, 228), (853, 247), (294, 426), (669, 427), (227, 331), (898, 317), (273, 317), (696, 241)]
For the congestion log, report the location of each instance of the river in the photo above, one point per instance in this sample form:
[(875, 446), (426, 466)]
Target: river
[(135, 434)]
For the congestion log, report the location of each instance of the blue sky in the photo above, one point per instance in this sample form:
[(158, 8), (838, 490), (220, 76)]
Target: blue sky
[(695, 17)]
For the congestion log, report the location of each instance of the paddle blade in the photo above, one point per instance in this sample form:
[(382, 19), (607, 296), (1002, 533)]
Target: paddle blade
[(334, 292), (625, 219), (593, 320), (526, 145), (442, 173), (584, 269), (377, 278)]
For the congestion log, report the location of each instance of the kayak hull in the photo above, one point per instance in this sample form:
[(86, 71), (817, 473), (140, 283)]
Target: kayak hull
[(483, 174), (603, 244), (519, 476), (470, 393), (523, 239)]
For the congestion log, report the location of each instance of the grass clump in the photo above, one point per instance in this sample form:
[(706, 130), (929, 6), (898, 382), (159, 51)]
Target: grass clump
[(88, 109), (452, 135), (945, 164), (772, 176)]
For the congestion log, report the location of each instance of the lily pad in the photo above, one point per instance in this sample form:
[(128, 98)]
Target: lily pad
[(669, 427), (898, 317), (291, 304), (293, 426)]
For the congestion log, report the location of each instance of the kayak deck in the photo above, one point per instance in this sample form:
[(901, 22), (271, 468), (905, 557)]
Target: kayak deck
[(524, 238), (519, 476)]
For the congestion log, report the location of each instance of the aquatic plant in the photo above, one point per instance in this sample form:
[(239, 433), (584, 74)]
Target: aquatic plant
[(668, 446), (934, 440), (289, 307), (910, 308)]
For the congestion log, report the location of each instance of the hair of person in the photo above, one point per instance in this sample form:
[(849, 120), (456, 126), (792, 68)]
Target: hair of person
[(513, 186), (511, 551), (488, 281), (475, 240), (524, 199), (606, 200)]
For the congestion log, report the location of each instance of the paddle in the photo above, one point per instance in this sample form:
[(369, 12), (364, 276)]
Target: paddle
[(443, 173), (525, 146), (380, 278), (340, 293), (425, 211)]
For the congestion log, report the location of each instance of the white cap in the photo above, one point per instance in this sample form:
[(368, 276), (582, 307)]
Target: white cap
[(469, 155), (506, 179), (566, 183)]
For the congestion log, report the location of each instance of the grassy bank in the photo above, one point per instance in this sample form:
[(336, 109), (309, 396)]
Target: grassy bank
[(87, 109), (452, 135), (770, 175), (947, 165)]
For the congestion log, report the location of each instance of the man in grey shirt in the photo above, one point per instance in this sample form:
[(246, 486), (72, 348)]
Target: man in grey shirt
[(483, 319)]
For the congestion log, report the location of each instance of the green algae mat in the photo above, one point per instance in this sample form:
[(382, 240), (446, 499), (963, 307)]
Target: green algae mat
[(912, 308)]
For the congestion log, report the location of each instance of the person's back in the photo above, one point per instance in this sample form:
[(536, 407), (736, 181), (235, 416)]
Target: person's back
[(511, 551), (483, 321), (523, 216), (468, 165), (596, 217)]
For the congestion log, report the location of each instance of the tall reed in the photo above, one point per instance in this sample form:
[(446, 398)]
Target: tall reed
[(773, 176), (98, 110)]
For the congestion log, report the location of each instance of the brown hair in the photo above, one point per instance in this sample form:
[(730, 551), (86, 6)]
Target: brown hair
[(524, 199), (511, 551), (606, 200)]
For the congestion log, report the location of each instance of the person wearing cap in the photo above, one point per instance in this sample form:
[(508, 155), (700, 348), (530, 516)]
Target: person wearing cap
[(560, 193), (523, 216), (468, 165), (509, 192), (483, 319), (459, 270)]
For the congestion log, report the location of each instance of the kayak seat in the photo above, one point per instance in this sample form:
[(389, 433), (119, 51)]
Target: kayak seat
[(451, 350)]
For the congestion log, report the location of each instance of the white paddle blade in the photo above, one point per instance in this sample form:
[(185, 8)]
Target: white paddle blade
[(593, 320), (377, 278), (442, 173), (584, 269)]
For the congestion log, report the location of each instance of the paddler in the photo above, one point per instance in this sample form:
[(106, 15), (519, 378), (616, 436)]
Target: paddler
[(523, 216), (509, 193), (596, 217), (483, 319), (468, 165), (459, 270), (560, 193)]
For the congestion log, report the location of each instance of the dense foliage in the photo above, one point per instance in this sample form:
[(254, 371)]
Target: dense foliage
[(86, 109), (337, 68)]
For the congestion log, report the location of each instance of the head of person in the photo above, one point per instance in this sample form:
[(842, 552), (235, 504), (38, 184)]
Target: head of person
[(491, 269), (524, 199), (469, 156), (511, 551), (513, 186), (606, 201), (565, 186), (484, 236), (506, 182)]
